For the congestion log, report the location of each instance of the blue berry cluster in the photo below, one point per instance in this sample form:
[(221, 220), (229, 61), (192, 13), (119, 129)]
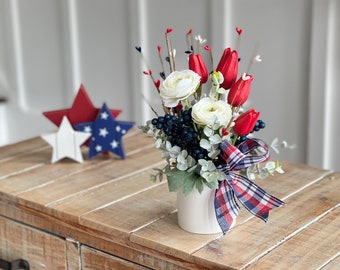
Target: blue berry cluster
[(258, 126), (180, 132)]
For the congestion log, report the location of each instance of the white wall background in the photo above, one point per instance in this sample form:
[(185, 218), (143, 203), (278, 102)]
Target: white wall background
[(49, 47)]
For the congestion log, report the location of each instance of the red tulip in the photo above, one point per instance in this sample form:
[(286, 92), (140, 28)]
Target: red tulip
[(246, 122), (228, 66), (197, 65), (239, 92)]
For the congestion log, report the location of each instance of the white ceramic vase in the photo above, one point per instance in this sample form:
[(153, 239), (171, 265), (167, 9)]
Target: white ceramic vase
[(196, 211)]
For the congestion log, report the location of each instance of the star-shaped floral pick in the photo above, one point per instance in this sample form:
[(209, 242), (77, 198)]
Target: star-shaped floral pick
[(82, 110), (106, 133), (66, 142)]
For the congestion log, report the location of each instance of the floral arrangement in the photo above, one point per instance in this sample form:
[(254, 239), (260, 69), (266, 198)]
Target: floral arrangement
[(205, 136)]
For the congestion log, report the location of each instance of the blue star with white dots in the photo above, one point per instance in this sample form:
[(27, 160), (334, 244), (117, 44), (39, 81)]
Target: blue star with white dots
[(106, 133)]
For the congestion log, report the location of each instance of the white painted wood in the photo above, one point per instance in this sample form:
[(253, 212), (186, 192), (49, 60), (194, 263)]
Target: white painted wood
[(3, 125), (324, 126), (332, 124), (140, 94), (4, 87), (317, 82), (50, 47), (71, 47)]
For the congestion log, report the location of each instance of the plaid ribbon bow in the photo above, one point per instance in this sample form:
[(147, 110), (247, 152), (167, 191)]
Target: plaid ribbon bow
[(253, 198)]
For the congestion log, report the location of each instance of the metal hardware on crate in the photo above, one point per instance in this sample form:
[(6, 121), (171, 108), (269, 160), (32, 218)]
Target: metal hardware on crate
[(19, 264)]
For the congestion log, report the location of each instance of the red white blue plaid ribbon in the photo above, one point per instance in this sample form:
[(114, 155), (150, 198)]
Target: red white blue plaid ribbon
[(253, 198)]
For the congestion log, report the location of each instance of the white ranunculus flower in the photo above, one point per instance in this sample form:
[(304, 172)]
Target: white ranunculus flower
[(207, 111), (179, 85)]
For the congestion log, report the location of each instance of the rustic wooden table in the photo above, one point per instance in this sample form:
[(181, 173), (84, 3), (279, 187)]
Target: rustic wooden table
[(106, 214)]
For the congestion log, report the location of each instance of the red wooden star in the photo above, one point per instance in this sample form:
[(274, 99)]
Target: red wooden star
[(82, 110)]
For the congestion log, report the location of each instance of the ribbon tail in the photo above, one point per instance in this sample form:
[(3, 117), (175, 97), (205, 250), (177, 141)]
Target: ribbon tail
[(254, 199), (226, 208)]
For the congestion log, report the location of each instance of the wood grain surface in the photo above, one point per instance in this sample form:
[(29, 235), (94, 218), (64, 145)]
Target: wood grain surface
[(105, 213)]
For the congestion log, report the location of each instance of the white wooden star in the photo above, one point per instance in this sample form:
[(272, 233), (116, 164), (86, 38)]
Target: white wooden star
[(66, 142)]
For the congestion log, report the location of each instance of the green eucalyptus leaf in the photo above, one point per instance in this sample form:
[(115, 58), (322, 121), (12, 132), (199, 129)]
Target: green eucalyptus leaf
[(199, 185), (181, 159), (250, 174), (216, 125), (204, 143), (207, 176), (168, 146), (204, 165), (191, 161), (193, 168), (270, 166), (175, 179), (215, 139), (211, 166), (214, 153), (182, 166), (262, 173), (221, 176), (188, 186), (158, 143), (208, 131), (212, 185), (182, 179)]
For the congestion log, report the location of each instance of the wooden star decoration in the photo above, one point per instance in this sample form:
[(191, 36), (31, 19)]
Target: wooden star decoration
[(66, 142), (106, 133), (82, 110)]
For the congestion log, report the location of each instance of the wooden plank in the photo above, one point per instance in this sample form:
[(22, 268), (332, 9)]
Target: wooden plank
[(309, 249), (109, 192), (36, 158), (71, 185), (103, 195), (94, 259), (73, 254), (41, 250), (108, 242), (96, 239), (334, 264), (35, 178), (21, 148), (44, 172), (166, 236), (42, 175), (254, 238), (23, 163), (123, 217), (296, 178)]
